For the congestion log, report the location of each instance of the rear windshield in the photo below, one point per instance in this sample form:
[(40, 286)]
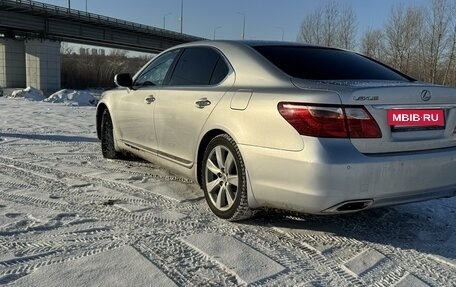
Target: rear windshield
[(316, 63)]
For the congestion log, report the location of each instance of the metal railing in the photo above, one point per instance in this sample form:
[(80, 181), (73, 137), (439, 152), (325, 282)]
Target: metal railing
[(72, 14)]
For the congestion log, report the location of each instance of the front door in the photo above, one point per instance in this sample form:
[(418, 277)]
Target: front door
[(136, 108)]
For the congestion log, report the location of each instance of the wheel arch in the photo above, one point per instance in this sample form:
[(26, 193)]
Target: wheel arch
[(208, 136), (248, 201), (100, 110), (202, 148)]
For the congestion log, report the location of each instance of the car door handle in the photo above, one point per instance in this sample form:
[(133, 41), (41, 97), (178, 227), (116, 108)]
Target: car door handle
[(201, 103), (149, 99)]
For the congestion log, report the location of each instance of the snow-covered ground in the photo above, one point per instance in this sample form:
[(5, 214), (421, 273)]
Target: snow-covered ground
[(68, 217), (65, 96)]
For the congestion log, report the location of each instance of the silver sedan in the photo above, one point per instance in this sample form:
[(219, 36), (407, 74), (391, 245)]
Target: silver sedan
[(288, 126)]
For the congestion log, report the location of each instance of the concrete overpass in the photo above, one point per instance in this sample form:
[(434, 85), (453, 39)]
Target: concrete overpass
[(32, 31)]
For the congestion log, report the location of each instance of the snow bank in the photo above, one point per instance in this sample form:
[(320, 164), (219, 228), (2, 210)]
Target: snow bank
[(29, 93), (73, 98), (96, 92)]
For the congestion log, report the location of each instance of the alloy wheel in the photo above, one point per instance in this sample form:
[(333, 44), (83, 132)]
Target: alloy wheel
[(222, 178)]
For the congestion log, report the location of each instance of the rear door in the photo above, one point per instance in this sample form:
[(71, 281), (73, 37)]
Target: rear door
[(199, 80)]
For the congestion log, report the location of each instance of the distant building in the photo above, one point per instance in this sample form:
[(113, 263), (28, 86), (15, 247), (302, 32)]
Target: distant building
[(92, 51)]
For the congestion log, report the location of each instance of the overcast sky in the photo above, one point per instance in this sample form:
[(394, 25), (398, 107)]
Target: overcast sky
[(265, 19)]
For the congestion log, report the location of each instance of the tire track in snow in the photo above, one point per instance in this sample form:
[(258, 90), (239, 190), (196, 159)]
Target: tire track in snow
[(285, 248), (405, 261), (184, 264), (46, 174), (320, 261), (136, 217), (27, 268)]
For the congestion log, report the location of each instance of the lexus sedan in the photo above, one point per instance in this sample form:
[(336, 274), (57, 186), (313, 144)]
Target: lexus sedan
[(283, 125)]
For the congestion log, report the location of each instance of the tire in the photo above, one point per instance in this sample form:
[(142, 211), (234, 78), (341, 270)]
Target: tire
[(224, 179), (107, 137)]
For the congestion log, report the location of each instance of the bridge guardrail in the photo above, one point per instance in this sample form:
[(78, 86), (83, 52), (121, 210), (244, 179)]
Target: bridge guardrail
[(53, 10)]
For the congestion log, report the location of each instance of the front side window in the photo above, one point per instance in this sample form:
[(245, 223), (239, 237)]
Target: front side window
[(155, 73), (196, 67)]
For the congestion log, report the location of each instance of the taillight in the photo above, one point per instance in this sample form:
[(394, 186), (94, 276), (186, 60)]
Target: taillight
[(317, 121), (330, 121), (361, 124)]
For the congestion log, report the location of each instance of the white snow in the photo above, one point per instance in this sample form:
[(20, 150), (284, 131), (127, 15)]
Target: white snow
[(68, 217), (67, 97), (73, 97), (132, 269), (29, 93), (365, 261), (248, 264)]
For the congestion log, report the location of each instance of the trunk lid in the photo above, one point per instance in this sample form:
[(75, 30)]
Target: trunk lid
[(381, 96)]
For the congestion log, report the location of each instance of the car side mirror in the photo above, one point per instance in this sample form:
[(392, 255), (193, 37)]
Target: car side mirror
[(123, 80)]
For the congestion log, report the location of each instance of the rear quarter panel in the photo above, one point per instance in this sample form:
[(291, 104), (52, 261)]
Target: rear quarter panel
[(260, 123)]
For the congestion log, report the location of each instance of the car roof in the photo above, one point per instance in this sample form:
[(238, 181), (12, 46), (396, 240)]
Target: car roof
[(250, 66), (255, 43)]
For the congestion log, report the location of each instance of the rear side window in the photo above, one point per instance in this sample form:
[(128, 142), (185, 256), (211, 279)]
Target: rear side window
[(220, 72), (316, 63), (196, 66)]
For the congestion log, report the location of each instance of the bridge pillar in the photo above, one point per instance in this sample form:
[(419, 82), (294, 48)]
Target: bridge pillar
[(12, 63), (42, 60)]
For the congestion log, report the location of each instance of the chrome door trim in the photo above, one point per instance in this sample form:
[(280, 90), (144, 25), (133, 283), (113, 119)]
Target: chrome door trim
[(173, 158)]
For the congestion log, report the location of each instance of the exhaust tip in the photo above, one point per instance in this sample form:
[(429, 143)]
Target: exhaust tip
[(350, 206)]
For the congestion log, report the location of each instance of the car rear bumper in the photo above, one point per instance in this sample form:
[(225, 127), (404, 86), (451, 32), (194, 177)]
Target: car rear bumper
[(331, 172)]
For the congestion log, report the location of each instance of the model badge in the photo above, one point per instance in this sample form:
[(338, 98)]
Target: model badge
[(426, 95), (366, 98)]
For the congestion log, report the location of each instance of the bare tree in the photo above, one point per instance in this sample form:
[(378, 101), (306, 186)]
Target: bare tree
[(330, 25), (347, 27), (436, 36), (451, 59), (118, 53), (66, 49), (402, 32), (373, 45), (82, 71), (311, 28), (330, 19), (417, 40)]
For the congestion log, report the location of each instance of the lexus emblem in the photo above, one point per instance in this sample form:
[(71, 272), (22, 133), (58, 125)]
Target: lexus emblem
[(426, 95)]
